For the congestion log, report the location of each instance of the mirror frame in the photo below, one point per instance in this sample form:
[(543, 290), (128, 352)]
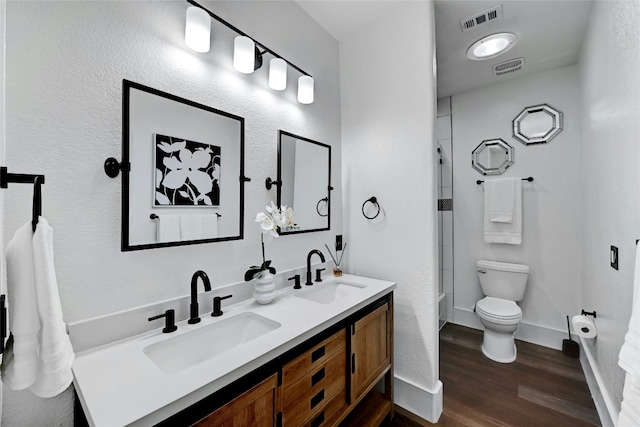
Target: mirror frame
[(475, 163), (329, 187), (551, 133), (126, 168)]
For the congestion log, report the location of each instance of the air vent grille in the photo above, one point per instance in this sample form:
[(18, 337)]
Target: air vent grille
[(481, 18), (509, 66)]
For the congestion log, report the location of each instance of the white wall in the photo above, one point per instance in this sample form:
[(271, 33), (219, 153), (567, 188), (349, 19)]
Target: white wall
[(388, 105), (610, 87), (551, 204), (64, 69)]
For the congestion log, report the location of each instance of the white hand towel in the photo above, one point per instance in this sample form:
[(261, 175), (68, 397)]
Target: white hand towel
[(19, 364), (191, 227), (55, 354), (168, 228), (210, 226), (501, 196), (502, 232)]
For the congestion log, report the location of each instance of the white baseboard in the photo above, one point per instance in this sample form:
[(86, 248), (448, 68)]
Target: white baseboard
[(529, 332), (604, 403), (424, 403)]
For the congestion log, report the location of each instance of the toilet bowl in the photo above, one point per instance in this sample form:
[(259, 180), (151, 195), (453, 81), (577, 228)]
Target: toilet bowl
[(500, 319), (502, 284)]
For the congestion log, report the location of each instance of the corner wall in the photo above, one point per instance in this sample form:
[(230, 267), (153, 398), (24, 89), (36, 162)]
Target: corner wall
[(551, 203), (388, 128), (610, 87), (64, 71)]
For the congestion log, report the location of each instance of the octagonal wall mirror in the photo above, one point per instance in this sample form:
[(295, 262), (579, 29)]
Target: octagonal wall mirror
[(185, 180), (537, 125), (492, 157), (304, 177)]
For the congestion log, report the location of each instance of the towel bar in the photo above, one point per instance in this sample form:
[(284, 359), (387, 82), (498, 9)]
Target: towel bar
[(154, 216), (530, 179)]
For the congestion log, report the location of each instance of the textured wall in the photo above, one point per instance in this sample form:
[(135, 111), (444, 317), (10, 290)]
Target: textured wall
[(551, 204), (65, 65), (610, 66), (388, 107)]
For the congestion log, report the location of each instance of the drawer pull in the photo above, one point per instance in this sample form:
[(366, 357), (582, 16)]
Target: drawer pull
[(317, 354), (317, 399), (317, 377), (353, 363), (318, 420)]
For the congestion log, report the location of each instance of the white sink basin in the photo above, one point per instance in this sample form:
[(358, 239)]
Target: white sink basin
[(175, 354), (326, 293)]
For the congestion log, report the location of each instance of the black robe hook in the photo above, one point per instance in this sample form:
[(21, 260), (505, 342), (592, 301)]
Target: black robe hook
[(37, 202)]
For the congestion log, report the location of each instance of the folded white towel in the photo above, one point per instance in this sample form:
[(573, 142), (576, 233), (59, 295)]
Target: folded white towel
[(55, 354), (629, 358), (501, 232), (191, 227), (501, 196), (19, 364), (210, 226), (168, 228)]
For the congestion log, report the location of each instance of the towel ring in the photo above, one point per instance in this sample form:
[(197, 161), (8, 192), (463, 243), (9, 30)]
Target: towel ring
[(37, 203), (374, 201), (326, 200)]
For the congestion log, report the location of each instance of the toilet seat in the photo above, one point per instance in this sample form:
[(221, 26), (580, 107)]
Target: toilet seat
[(499, 311)]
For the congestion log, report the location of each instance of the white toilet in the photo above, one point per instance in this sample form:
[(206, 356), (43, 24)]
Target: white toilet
[(503, 284)]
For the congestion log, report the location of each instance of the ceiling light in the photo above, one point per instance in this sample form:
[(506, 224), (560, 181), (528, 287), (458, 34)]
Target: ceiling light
[(491, 46), (277, 74), (197, 31), (305, 90)]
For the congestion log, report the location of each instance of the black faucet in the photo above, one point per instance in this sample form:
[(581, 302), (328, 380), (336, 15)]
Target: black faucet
[(315, 251), (193, 307), (217, 305)]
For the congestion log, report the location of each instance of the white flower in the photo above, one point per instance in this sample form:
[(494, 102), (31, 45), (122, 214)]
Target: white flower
[(188, 167), (267, 225)]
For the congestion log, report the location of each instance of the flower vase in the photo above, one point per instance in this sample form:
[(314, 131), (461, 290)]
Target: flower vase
[(264, 288)]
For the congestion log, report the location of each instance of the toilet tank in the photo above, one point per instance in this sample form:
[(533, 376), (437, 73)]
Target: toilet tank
[(502, 279)]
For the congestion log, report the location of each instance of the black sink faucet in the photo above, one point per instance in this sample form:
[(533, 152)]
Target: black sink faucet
[(309, 282), (193, 307)]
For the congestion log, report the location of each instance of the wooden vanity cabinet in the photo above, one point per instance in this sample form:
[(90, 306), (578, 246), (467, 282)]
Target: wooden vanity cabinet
[(255, 407), (329, 380), (370, 350)]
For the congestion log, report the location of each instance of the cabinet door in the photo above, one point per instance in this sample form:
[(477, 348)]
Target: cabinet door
[(255, 408), (370, 349)]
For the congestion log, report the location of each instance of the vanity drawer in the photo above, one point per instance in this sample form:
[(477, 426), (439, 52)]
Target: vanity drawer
[(313, 358), (325, 417), (309, 396)]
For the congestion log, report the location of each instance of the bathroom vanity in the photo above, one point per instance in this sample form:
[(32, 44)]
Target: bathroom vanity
[(315, 360)]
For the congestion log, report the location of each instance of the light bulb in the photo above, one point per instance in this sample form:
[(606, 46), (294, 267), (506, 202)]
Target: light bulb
[(277, 74), (305, 90), (197, 31), (244, 54)]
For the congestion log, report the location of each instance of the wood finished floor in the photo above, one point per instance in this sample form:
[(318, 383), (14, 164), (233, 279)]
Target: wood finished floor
[(541, 388)]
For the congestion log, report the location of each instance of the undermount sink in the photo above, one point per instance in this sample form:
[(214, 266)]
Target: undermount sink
[(326, 293), (175, 354)]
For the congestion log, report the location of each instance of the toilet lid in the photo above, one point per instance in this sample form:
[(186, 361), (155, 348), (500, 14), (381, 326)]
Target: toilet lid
[(498, 308)]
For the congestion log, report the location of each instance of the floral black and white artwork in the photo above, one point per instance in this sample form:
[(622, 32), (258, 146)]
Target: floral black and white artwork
[(187, 172)]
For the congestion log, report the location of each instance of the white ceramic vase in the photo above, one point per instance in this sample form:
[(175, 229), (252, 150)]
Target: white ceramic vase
[(264, 288)]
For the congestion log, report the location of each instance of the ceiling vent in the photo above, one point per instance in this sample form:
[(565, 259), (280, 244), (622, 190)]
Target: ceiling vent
[(509, 66), (481, 18)]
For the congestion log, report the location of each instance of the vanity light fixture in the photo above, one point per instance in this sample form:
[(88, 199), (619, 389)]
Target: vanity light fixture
[(197, 31), (244, 56), (247, 52), (277, 74), (305, 90), (491, 46)]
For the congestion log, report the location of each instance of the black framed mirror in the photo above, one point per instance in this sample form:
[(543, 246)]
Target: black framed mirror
[(183, 171), (304, 181)]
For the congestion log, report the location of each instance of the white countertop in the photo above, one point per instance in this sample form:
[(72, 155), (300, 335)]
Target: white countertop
[(119, 385)]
